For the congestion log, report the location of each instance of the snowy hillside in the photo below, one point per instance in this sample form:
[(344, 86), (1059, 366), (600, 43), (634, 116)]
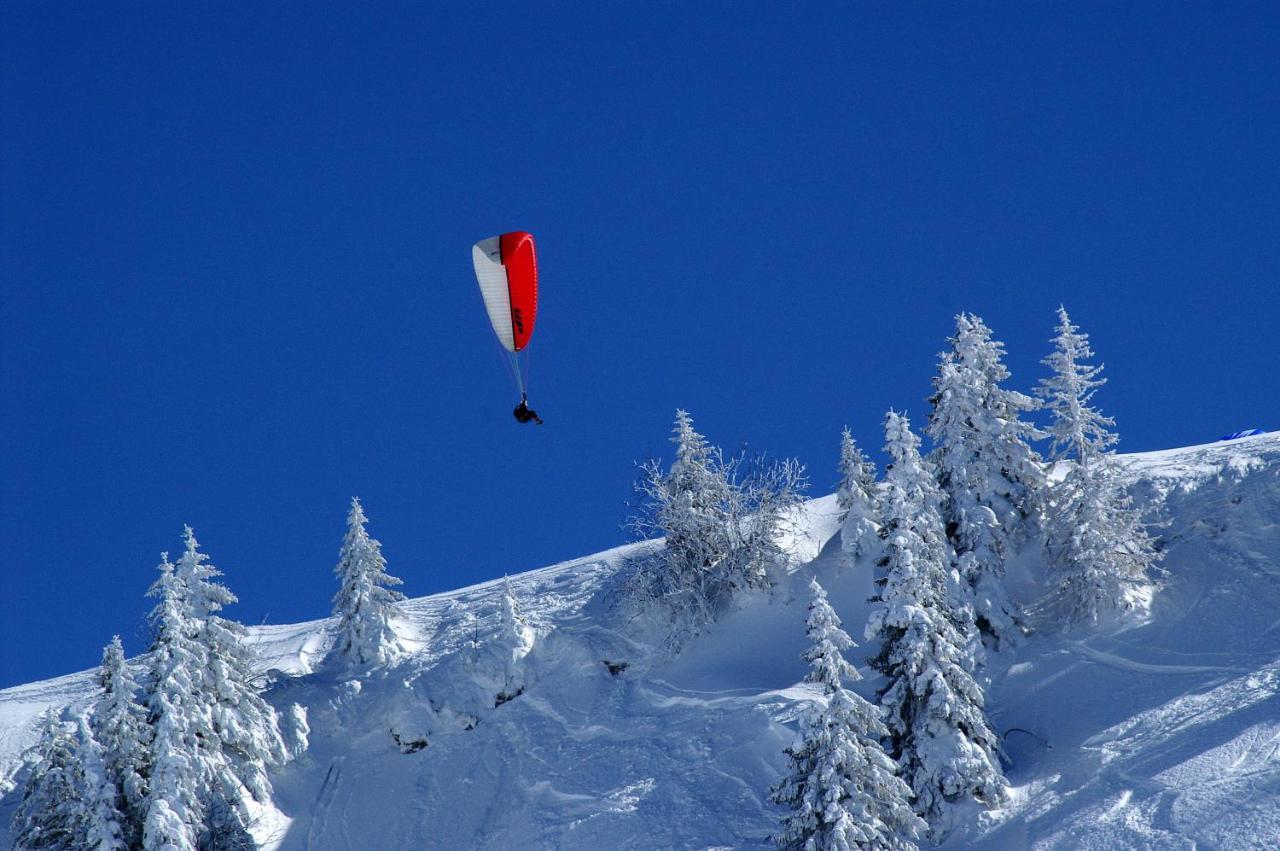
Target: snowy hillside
[(1165, 735)]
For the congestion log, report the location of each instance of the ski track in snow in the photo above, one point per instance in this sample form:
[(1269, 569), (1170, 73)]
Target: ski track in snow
[(1164, 734), (1122, 664)]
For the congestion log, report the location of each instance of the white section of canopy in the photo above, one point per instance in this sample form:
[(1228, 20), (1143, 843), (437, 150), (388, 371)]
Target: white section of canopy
[(492, 277)]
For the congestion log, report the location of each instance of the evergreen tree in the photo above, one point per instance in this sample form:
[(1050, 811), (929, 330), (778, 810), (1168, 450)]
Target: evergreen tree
[(104, 822), (1098, 544), (247, 728), (857, 498), (514, 641), (514, 630), (365, 604), (50, 814), (843, 791), (68, 801), (119, 724), (721, 521), (991, 478), (1079, 432), (691, 508), (181, 729), (939, 733), (857, 474), (213, 736)]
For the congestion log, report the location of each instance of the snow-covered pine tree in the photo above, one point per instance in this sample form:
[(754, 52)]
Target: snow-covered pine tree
[(181, 727), (515, 640), (1098, 544), (1079, 432), (119, 725), (857, 498), (915, 522), (720, 520), (50, 814), (104, 823), (694, 515), (690, 506), (939, 732), (247, 727), (365, 602), (992, 480), (213, 736), (843, 791), (69, 801), (857, 474)]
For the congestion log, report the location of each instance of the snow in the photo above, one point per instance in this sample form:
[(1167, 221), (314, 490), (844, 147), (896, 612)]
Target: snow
[(1164, 734)]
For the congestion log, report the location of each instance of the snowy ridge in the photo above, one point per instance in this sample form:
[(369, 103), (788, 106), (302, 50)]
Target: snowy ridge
[(1163, 735), (1159, 734)]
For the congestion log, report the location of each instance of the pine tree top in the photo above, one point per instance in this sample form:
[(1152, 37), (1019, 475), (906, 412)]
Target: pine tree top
[(857, 472), (899, 440), (1077, 430), (508, 603), (170, 608), (112, 663), (362, 555), (194, 569), (827, 643), (364, 602), (356, 516), (692, 449), (909, 477), (967, 392)]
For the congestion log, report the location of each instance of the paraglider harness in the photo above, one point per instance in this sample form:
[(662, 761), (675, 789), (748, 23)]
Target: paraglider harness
[(523, 413)]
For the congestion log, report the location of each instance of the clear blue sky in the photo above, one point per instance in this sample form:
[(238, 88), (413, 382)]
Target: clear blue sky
[(237, 287)]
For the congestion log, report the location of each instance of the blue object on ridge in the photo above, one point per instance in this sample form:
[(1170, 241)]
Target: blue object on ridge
[(1249, 432)]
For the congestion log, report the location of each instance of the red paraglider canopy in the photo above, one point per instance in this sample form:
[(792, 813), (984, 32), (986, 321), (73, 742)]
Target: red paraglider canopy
[(522, 282), (507, 271)]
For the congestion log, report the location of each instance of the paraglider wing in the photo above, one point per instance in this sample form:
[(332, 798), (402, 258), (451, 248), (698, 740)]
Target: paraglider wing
[(507, 271)]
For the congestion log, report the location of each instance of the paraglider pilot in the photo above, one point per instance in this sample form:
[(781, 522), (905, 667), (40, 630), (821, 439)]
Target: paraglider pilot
[(523, 413)]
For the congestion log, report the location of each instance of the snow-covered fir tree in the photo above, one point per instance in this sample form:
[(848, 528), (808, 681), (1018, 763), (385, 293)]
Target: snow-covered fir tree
[(843, 791), (104, 822), (119, 725), (213, 736), (1079, 432), (721, 521), (247, 727), (181, 729), (69, 801), (934, 707), (1099, 546), (690, 506), (365, 602), (858, 501), (514, 641), (47, 780), (51, 813), (992, 480), (911, 508)]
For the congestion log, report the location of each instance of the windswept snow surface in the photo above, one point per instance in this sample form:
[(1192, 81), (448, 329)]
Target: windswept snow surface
[(1164, 734)]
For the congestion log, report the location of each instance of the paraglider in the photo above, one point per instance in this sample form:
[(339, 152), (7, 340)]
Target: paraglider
[(507, 272), (523, 413)]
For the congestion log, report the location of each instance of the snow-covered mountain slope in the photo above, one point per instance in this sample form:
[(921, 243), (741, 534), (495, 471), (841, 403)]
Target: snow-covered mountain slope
[(1162, 735)]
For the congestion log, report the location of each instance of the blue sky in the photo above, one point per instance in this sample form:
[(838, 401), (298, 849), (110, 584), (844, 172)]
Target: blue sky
[(237, 288)]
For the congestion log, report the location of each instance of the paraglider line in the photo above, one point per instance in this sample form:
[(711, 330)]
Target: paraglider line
[(528, 362), (509, 363)]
